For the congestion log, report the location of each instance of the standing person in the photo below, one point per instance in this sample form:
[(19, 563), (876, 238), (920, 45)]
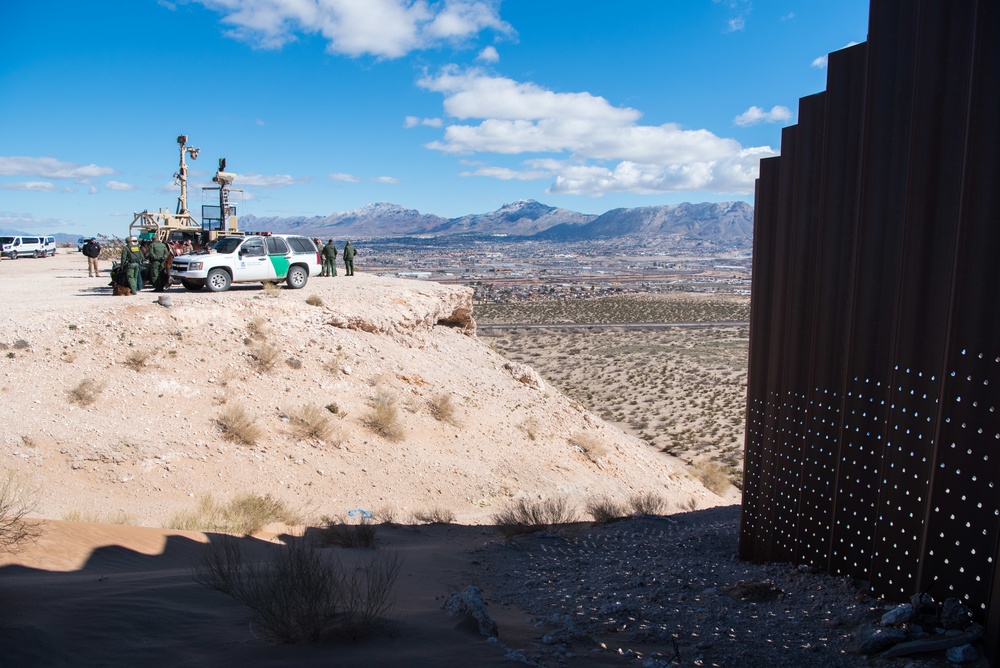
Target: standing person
[(188, 248), (329, 255), (158, 253), (92, 250), (130, 260), (349, 253)]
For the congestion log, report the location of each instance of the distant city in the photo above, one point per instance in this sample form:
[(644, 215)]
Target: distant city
[(502, 269)]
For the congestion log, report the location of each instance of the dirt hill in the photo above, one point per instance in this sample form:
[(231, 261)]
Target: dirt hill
[(474, 430)]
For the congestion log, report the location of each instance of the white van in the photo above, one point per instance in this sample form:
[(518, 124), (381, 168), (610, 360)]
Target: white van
[(19, 246)]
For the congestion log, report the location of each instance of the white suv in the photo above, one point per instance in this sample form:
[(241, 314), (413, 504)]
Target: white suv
[(258, 258)]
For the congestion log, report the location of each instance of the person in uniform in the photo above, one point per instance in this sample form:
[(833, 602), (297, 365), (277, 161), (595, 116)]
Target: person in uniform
[(158, 253), (329, 255), (130, 260), (349, 253)]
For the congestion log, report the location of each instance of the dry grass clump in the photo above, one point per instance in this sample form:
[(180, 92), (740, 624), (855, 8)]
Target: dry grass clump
[(271, 289), (605, 510), (590, 445), (245, 514), (433, 516), (137, 359), (524, 516), (383, 418), (443, 408), (237, 425), (120, 517), (339, 531), (314, 300), (647, 503), (311, 421), (257, 328), (85, 392), (294, 363), (712, 476), (17, 501), (264, 357), (301, 593)]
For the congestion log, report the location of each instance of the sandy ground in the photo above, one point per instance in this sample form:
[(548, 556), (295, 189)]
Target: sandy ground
[(98, 593)]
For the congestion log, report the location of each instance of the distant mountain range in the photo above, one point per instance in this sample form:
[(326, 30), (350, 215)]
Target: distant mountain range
[(727, 222)]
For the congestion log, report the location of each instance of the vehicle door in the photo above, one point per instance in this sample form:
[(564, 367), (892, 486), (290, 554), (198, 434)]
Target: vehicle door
[(251, 262), (279, 255)]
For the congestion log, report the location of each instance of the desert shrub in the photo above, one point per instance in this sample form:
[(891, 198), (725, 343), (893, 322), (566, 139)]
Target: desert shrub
[(257, 328), (530, 427), (271, 289), (433, 516), (385, 515), (647, 503), (238, 425), (301, 594), (312, 422), (244, 514), (523, 516), (712, 476), (17, 501), (442, 408), (383, 418), (342, 533), (137, 359), (314, 300), (120, 517), (264, 357), (590, 445), (85, 392), (604, 510), (294, 363)]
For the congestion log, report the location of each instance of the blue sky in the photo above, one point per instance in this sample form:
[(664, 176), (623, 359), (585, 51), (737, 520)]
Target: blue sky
[(449, 107)]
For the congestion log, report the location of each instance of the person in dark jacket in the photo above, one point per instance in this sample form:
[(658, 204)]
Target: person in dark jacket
[(329, 255), (92, 250), (349, 253)]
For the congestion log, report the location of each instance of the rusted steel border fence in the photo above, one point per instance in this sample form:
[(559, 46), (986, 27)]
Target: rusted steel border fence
[(873, 421)]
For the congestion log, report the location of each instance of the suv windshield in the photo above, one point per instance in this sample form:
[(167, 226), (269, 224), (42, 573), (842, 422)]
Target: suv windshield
[(227, 244)]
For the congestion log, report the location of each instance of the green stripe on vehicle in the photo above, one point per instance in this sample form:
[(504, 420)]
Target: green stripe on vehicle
[(280, 264)]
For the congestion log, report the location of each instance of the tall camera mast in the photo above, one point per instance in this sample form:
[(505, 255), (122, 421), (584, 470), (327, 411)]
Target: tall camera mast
[(181, 175)]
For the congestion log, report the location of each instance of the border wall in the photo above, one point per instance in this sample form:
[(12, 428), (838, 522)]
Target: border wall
[(873, 413)]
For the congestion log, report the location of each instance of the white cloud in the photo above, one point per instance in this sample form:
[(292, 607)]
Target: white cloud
[(346, 178), (607, 149), (263, 181), (755, 115), (413, 121), (50, 168), (32, 186), (820, 63), (381, 28), (489, 55), (92, 190), (738, 12), (118, 185), (385, 179)]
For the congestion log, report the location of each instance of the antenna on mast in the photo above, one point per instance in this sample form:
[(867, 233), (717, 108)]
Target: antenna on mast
[(181, 175)]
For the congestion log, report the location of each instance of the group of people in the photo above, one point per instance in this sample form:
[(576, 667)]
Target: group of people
[(328, 253), (156, 252)]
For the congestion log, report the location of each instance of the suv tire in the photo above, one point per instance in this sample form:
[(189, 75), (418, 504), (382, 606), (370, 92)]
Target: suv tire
[(218, 280), (297, 277), (13, 255)]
